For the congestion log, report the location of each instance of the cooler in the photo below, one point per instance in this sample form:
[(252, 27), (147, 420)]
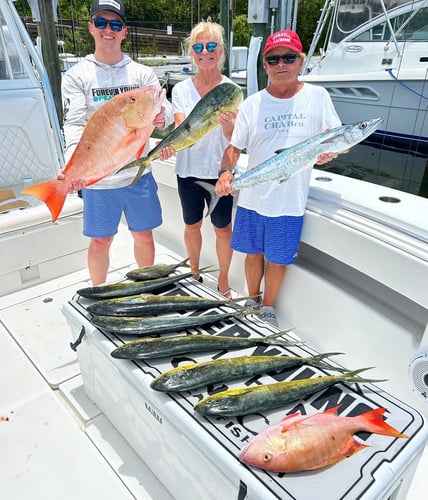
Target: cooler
[(197, 457)]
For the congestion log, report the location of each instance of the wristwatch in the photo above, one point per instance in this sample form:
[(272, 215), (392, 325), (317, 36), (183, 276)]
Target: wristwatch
[(225, 169)]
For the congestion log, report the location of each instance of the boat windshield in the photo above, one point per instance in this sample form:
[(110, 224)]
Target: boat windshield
[(10, 63), (352, 14)]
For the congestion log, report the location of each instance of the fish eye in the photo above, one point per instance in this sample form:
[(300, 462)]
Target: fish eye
[(267, 457), (364, 125), (133, 98)]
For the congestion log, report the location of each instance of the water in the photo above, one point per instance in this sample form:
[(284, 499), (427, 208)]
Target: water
[(386, 163)]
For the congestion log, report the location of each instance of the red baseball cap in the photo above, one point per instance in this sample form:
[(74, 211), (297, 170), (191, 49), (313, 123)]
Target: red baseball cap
[(283, 38)]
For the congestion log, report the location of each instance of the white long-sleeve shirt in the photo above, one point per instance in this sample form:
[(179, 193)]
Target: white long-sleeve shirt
[(88, 85)]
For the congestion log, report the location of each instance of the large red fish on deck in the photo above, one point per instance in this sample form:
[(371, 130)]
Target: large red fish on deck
[(306, 442), (114, 135)]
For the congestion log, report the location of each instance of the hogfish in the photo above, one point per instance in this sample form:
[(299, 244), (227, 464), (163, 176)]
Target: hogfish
[(114, 135), (305, 442)]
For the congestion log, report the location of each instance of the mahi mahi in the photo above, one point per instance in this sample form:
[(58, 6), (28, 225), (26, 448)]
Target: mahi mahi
[(183, 344), (290, 161), (202, 119), (253, 399), (192, 376), (125, 325)]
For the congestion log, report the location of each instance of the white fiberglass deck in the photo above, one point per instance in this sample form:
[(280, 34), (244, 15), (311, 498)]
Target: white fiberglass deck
[(55, 443)]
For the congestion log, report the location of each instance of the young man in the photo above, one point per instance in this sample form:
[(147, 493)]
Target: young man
[(86, 87), (269, 217)]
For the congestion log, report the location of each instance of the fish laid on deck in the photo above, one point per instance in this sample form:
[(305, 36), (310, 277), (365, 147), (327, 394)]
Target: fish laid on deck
[(202, 119), (185, 344), (191, 376), (155, 271), (290, 161), (147, 304), (114, 135), (306, 442), (115, 290), (124, 325), (253, 399)]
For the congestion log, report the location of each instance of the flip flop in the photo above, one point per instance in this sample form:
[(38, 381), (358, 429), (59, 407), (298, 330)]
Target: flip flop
[(227, 294)]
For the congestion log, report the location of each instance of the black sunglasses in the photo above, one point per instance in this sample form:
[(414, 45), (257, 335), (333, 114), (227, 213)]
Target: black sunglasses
[(199, 47), (101, 24), (287, 59)]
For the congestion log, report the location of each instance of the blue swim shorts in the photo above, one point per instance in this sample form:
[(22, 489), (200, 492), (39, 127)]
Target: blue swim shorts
[(193, 198), (103, 208), (277, 237)]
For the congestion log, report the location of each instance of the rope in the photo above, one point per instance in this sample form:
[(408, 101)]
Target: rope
[(404, 85)]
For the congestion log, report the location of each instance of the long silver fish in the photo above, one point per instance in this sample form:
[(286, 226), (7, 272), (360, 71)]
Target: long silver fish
[(290, 161)]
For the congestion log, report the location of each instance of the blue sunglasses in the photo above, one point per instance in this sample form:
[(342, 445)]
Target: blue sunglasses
[(199, 47), (101, 24)]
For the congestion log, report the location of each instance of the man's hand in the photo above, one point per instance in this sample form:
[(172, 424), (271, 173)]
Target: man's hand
[(222, 187)]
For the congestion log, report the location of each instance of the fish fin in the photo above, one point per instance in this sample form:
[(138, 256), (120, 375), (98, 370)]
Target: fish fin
[(124, 143), (140, 152), (278, 151), (214, 199), (373, 422), (331, 139), (289, 420), (53, 193), (350, 448)]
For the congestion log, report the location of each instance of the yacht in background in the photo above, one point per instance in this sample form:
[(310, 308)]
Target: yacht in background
[(375, 63)]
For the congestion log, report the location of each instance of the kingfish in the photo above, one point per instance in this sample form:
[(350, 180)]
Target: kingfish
[(301, 156), (155, 271), (253, 399), (184, 344), (147, 304), (307, 442), (113, 136), (115, 290), (187, 377), (202, 119), (161, 324)]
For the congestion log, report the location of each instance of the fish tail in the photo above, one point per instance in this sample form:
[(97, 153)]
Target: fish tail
[(318, 361), (140, 172), (184, 263), (373, 422), (214, 198), (352, 376), (273, 339), (52, 192)]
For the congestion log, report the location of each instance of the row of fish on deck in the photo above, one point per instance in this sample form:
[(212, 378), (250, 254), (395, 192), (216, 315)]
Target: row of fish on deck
[(123, 308), (298, 442)]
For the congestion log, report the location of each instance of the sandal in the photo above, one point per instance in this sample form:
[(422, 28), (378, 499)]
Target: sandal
[(227, 294)]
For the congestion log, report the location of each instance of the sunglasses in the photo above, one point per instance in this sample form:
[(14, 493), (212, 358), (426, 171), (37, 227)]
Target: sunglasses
[(286, 58), (101, 24), (199, 47)]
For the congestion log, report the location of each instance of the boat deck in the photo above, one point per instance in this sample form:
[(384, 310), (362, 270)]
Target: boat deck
[(55, 441)]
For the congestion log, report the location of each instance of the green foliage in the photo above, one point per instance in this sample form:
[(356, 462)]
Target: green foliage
[(307, 17), (241, 31)]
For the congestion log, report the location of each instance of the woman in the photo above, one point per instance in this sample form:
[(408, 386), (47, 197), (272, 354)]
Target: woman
[(203, 160)]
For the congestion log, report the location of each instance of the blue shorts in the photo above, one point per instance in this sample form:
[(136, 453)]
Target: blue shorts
[(103, 208), (277, 238), (193, 198)]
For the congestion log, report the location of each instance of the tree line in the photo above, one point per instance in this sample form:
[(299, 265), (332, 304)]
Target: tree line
[(158, 14)]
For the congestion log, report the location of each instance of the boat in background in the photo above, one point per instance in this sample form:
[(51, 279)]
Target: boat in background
[(376, 64)]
